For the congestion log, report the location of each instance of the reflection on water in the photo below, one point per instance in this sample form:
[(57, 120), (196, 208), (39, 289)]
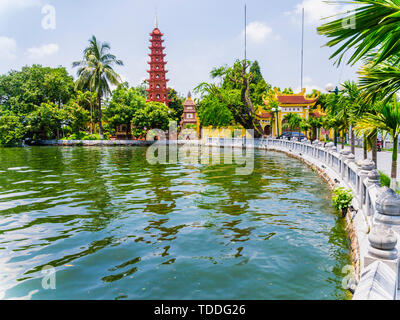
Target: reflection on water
[(115, 227)]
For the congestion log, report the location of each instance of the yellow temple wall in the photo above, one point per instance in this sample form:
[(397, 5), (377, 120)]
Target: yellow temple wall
[(225, 132)]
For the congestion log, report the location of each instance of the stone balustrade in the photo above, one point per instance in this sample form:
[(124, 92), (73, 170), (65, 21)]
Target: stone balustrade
[(375, 210)]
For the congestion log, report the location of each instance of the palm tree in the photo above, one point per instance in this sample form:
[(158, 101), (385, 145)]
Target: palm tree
[(387, 120), (340, 114), (351, 100), (380, 80), (292, 121), (96, 73), (375, 27), (304, 126)]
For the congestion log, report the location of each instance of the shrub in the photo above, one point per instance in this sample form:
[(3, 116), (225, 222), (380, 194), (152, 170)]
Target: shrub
[(385, 179), (11, 130), (342, 198), (85, 136)]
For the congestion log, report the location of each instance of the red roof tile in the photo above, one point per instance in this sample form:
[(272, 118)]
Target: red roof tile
[(291, 99), (189, 102), (265, 115)]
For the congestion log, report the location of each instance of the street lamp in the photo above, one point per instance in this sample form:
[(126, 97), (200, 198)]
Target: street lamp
[(276, 110), (332, 89)]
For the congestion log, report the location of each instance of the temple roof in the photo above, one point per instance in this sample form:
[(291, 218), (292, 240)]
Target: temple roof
[(189, 102), (296, 99), (265, 115)]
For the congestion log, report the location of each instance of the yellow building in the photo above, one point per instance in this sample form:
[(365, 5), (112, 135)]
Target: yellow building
[(272, 120)]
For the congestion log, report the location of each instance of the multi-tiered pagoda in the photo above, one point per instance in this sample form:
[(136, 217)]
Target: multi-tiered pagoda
[(157, 90)]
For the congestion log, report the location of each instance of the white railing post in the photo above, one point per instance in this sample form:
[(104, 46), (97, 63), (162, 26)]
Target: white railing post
[(342, 159), (366, 167), (372, 184)]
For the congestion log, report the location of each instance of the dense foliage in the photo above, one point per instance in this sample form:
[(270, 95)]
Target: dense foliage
[(238, 94), (154, 115), (342, 198), (125, 102), (96, 73)]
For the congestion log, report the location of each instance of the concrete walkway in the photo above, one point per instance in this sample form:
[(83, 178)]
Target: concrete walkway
[(384, 160)]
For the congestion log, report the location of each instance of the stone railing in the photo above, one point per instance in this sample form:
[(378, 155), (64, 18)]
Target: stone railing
[(374, 215), (95, 143)]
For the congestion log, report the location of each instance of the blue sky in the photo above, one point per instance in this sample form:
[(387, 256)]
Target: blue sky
[(199, 35)]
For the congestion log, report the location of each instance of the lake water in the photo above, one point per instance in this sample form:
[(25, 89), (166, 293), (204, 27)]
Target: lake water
[(115, 227)]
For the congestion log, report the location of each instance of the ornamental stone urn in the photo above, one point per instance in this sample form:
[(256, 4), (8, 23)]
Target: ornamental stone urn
[(329, 145), (366, 165), (388, 207), (382, 247), (373, 178)]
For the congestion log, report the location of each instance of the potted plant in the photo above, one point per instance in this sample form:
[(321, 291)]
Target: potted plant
[(342, 199)]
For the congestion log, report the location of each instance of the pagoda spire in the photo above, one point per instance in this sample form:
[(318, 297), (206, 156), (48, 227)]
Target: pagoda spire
[(157, 81)]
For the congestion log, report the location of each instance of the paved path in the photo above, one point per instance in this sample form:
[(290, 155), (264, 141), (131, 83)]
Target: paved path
[(384, 160)]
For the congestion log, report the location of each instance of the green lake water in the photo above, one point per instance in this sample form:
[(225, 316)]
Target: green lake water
[(115, 227)]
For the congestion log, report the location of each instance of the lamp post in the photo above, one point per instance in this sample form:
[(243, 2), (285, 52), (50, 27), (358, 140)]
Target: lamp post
[(276, 110), (332, 89)]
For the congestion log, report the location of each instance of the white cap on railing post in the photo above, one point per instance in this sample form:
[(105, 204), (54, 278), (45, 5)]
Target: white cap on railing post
[(388, 207), (373, 178), (351, 158)]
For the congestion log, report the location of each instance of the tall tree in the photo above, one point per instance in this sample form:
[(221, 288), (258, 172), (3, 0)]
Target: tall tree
[(154, 115), (387, 120), (96, 73), (374, 25), (237, 79), (176, 104), (292, 121), (125, 102), (351, 101)]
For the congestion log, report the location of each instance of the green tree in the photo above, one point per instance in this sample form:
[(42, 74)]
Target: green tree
[(316, 123), (45, 121), (87, 100), (22, 91), (176, 104), (96, 73), (141, 89), (125, 102), (304, 126), (76, 117), (238, 80), (58, 86), (375, 27), (292, 121), (380, 81), (12, 129), (387, 120), (214, 112), (154, 115)]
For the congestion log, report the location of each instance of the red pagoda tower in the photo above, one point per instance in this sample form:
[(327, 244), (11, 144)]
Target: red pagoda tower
[(157, 90)]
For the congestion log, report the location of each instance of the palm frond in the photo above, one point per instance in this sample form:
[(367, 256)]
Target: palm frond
[(375, 28)]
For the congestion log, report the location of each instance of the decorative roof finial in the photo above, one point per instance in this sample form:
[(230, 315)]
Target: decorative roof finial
[(156, 20), (189, 95)]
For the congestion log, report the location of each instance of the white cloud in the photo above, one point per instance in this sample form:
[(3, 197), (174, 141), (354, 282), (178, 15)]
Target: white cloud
[(309, 86), (12, 5), (43, 51), (258, 32), (315, 10), (8, 48)]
